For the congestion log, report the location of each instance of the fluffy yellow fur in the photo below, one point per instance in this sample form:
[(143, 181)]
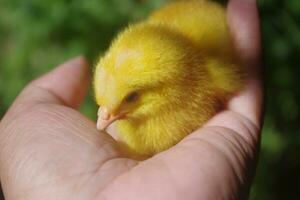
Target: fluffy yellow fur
[(179, 64)]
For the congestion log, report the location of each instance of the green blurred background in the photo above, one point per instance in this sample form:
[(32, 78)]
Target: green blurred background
[(37, 35)]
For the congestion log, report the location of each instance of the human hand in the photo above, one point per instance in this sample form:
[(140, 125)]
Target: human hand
[(48, 150)]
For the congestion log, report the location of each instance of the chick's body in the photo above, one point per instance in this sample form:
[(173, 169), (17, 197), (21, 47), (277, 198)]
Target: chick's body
[(168, 75)]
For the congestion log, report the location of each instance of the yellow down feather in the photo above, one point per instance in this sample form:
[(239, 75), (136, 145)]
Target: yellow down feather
[(169, 74)]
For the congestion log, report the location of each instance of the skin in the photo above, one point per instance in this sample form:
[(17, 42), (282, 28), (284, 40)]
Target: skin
[(48, 150)]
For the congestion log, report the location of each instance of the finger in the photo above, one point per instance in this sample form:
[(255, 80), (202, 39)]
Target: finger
[(244, 23), (243, 19), (67, 84)]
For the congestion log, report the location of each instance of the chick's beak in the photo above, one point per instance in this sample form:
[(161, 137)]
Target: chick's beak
[(105, 118)]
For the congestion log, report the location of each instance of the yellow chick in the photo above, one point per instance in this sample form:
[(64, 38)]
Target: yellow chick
[(163, 78)]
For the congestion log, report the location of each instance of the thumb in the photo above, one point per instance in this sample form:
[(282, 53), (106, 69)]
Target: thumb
[(67, 84)]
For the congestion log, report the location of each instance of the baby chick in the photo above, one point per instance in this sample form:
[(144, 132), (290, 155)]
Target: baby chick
[(163, 78)]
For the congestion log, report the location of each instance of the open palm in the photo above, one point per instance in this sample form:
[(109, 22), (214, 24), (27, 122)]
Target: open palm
[(48, 150)]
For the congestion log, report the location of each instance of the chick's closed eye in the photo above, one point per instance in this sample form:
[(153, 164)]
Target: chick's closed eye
[(132, 97)]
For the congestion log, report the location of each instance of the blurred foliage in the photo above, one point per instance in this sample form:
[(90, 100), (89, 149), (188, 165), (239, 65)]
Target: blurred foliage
[(37, 35), (278, 174)]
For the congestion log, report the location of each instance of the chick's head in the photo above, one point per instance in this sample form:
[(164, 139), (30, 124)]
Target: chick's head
[(143, 71)]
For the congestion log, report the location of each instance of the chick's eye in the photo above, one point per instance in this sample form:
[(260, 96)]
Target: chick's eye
[(133, 96)]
